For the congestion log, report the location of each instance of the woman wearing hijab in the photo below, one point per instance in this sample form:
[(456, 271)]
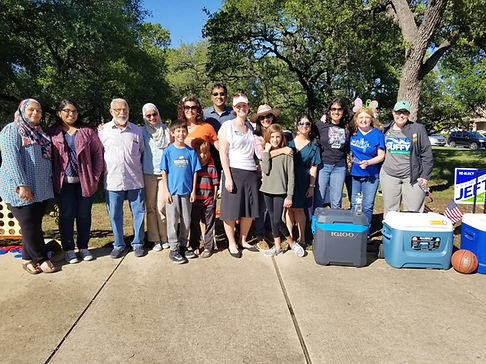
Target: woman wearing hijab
[(25, 181), (156, 137), (77, 164)]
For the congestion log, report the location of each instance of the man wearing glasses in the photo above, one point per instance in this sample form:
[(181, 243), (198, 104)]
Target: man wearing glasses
[(218, 113), (123, 149)]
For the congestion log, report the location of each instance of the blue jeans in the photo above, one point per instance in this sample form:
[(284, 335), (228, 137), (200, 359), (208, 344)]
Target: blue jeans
[(330, 176), (114, 205), (368, 186), (73, 206)]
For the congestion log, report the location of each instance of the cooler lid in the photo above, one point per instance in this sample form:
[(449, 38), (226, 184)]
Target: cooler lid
[(477, 221), (339, 216), (417, 221)]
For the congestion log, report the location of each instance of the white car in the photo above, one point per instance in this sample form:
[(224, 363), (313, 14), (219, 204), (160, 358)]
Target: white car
[(437, 140)]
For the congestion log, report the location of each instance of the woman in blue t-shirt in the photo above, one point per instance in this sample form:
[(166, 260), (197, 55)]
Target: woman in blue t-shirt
[(367, 146)]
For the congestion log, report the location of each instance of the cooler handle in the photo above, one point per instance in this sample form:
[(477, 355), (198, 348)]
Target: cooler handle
[(313, 224), (469, 236), (384, 233)]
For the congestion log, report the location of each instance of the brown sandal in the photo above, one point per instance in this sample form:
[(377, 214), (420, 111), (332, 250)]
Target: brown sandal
[(30, 267), (48, 267), (206, 253)]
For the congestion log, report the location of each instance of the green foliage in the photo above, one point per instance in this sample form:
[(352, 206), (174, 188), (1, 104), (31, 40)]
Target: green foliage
[(90, 51)]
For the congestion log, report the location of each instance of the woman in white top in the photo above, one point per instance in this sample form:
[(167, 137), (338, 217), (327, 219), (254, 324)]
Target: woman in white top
[(239, 197)]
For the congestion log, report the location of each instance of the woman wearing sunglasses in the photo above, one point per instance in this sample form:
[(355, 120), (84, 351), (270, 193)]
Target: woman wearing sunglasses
[(334, 143), (156, 137), (190, 110), (307, 157)]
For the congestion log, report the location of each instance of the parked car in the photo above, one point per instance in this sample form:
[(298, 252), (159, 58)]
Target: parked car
[(471, 139), (436, 139)]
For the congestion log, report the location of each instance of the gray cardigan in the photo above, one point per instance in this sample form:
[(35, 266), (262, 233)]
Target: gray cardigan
[(421, 158), (278, 175)]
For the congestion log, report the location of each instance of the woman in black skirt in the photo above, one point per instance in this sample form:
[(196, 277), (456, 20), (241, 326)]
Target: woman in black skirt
[(239, 196)]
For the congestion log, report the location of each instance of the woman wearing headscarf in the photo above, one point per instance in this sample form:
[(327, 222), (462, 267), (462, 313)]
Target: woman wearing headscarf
[(25, 181), (156, 137), (77, 164)]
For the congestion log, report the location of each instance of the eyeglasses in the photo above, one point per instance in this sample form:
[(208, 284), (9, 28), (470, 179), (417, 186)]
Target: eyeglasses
[(305, 123), (148, 116), (69, 111), (187, 107), (120, 110), (402, 112), (216, 94), (268, 116), (336, 109)]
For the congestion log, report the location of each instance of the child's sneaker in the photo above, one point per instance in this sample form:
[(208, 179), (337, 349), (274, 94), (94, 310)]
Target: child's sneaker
[(176, 257), (272, 252), (85, 254), (298, 250), (157, 246), (71, 257), (165, 245)]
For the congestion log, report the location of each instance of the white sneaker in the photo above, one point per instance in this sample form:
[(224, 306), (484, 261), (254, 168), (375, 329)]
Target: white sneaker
[(165, 245), (272, 252), (157, 247), (298, 250), (71, 257), (85, 254)]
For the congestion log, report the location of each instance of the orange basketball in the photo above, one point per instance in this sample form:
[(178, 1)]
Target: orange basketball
[(464, 261)]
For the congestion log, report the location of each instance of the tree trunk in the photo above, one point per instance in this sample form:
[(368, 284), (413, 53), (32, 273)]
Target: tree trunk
[(411, 82)]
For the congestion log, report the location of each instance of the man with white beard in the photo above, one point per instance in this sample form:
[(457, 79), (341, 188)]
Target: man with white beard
[(123, 148)]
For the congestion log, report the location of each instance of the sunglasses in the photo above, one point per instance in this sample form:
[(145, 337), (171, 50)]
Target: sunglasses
[(336, 109), (148, 116), (216, 94), (402, 112), (268, 116), (187, 108), (305, 123)]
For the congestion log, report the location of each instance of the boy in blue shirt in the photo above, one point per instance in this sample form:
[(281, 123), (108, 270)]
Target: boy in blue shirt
[(179, 165)]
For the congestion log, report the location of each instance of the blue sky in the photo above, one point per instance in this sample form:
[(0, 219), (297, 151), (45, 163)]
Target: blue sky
[(183, 18)]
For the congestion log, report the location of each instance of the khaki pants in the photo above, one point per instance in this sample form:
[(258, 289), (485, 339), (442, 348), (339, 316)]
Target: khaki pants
[(156, 216)]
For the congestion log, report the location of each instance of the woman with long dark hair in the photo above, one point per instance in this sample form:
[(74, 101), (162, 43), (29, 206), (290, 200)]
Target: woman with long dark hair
[(334, 143), (77, 164)]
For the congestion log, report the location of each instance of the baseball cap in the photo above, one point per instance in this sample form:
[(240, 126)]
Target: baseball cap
[(402, 105)]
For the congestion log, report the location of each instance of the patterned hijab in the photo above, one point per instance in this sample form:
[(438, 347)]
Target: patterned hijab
[(31, 134), (157, 131)]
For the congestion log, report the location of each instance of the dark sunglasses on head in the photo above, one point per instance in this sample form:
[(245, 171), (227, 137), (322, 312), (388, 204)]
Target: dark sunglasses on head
[(187, 107), (305, 123), (238, 95), (216, 94)]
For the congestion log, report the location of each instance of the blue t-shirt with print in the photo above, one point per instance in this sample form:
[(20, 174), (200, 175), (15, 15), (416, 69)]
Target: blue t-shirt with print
[(364, 147), (180, 165)]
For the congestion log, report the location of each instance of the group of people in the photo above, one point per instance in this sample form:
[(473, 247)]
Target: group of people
[(173, 174)]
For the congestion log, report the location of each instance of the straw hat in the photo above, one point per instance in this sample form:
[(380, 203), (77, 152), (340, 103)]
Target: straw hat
[(264, 110)]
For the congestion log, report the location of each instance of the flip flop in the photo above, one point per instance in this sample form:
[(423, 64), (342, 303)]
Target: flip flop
[(206, 253), (51, 268), (30, 264)]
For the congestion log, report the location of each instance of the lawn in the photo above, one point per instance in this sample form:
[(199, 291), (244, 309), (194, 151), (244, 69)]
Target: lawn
[(442, 188)]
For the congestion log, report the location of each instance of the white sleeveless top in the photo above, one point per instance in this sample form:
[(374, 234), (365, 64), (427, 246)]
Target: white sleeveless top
[(242, 147)]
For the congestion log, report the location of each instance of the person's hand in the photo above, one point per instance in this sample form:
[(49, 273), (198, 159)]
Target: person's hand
[(423, 183), (287, 203), (363, 164), (192, 198), (310, 192), (100, 126), (287, 150), (25, 193), (167, 197), (268, 146), (189, 140), (228, 184)]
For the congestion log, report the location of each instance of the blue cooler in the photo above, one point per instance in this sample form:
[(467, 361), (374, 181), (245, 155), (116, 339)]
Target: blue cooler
[(340, 237), (473, 237), (417, 240)]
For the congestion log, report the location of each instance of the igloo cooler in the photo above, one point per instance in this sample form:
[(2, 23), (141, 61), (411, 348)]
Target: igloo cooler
[(473, 237), (340, 237), (417, 240)]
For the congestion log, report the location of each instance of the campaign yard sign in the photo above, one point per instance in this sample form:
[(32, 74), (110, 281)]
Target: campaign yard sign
[(464, 185)]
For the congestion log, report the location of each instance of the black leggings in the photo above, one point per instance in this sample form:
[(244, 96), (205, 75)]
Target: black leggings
[(30, 221), (275, 208)]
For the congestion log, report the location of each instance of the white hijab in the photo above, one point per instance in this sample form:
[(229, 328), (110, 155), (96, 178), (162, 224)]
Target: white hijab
[(158, 131)]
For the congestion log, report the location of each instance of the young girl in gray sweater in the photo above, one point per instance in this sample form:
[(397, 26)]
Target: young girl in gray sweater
[(278, 187)]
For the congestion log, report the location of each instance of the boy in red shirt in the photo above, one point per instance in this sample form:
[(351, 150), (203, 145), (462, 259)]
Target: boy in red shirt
[(204, 208)]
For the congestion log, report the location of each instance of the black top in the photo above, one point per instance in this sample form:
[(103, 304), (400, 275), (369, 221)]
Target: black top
[(333, 141)]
